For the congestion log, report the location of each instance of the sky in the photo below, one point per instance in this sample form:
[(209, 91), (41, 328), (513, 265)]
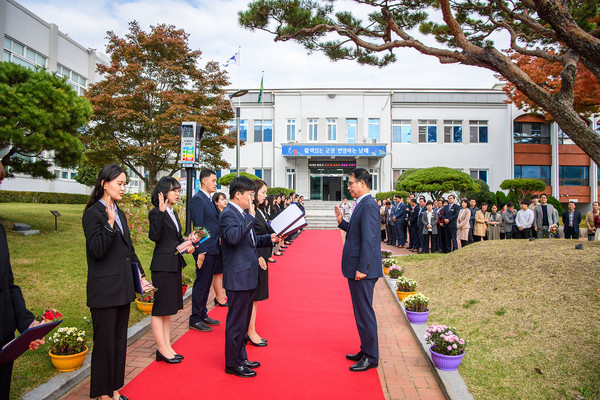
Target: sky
[(213, 29)]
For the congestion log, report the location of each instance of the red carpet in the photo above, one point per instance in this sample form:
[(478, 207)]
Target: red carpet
[(310, 326)]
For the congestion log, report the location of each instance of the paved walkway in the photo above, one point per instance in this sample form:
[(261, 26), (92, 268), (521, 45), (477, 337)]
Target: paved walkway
[(403, 370)]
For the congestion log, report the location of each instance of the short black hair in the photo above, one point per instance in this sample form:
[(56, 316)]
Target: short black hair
[(543, 194), (413, 200), (572, 202), (361, 174), (429, 202), (241, 184), (205, 173), (525, 201), (454, 197), (510, 204), (534, 196), (442, 199), (464, 201), (388, 203), (164, 185), (217, 196)]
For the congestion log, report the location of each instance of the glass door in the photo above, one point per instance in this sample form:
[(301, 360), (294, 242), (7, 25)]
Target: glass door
[(315, 187)]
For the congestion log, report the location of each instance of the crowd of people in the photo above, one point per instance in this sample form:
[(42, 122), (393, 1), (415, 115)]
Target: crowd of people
[(445, 224)]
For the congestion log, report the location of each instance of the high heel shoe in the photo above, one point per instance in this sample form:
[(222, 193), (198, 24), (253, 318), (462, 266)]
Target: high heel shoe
[(179, 356), (221, 305), (261, 344), (160, 357)]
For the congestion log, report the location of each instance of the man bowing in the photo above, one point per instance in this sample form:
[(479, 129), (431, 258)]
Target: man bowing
[(361, 264)]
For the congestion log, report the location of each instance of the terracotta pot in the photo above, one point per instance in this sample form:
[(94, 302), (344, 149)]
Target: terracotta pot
[(183, 289), (403, 295), (386, 270), (146, 308), (68, 363)]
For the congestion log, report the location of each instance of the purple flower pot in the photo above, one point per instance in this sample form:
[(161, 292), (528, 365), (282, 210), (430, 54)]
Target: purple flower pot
[(417, 318), (446, 363)]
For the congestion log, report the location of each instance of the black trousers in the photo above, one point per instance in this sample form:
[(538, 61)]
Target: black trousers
[(201, 289), (110, 349), (451, 242), (5, 373), (236, 329), (570, 233), (391, 233), (525, 233), (441, 239), (427, 239), (361, 293)]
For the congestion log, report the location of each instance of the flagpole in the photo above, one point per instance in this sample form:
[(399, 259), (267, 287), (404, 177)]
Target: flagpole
[(262, 116)]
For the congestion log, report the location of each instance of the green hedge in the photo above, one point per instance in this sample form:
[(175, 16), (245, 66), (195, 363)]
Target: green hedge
[(43, 197), (277, 190), (225, 180), (385, 195)]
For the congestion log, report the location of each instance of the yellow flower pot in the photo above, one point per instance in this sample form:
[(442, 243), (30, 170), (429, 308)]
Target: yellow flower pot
[(403, 295), (146, 308), (386, 270), (68, 363)]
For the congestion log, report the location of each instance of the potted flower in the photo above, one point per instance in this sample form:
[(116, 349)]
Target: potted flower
[(186, 281), (447, 348), (405, 287), (68, 348), (386, 254), (145, 300), (386, 264), (416, 309), (395, 271), (49, 315)]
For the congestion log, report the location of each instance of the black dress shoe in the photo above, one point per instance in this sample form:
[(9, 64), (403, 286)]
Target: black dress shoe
[(160, 357), (121, 397), (263, 340), (221, 305), (283, 247), (355, 357), (200, 326), (179, 356), (363, 365), (242, 371), (260, 344), (251, 364), (272, 261), (210, 321)]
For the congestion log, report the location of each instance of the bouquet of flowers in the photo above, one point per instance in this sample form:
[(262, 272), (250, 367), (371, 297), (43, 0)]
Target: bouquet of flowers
[(67, 341), (49, 315), (396, 271), (445, 340), (197, 236), (406, 284), (147, 296), (554, 229), (416, 302)]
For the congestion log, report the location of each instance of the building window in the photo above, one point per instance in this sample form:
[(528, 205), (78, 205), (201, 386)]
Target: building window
[(76, 81), (243, 128), (427, 131), (452, 131), (541, 172), (313, 129), (573, 176), (264, 174), (219, 174), (331, 129), (291, 130), (373, 130), (374, 178), (480, 174), (351, 124), (291, 178), (478, 131), (263, 130), (532, 133), (563, 138), (20, 54), (401, 131)]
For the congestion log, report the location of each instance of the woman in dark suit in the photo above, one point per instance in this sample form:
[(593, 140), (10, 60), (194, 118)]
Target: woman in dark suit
[(220, 201), (13, 312), (111, 261), (261, 227), (166, 266)]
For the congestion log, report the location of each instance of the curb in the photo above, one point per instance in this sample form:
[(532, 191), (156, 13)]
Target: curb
[(451, 383), (61, 384)]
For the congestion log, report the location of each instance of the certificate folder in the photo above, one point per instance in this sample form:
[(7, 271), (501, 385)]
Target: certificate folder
[(20, 345), (137, 283), (301, 223), (286, 219)]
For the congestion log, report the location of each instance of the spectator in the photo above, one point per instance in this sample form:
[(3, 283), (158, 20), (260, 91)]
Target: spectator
[(399, 219), (509, 220), (592, 222), (545, 217), (480, 230), (346, 210), (450, 217), (389, 220), (463, 223), (493, 221), (571, 220), (422, 208), (501, 208), (429, 222), (524, 220), (412, 224), (473, 208), (383, 219)]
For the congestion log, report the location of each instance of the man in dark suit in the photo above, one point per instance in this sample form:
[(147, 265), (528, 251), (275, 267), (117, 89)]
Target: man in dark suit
[(450, 216), (205, 214), (389, 222), (240, 272), (361, 265), (412, 225), (571, 220), (399, 219), (422, 209)]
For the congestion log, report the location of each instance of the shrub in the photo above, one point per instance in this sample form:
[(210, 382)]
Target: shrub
[(42, 197), (385, 195), (225, 180), (552, 200), (406, 284), (277, 190), (416, 302), (386, 254)]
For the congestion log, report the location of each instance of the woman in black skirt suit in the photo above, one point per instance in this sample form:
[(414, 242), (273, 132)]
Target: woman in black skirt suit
[(261, 227), (166, 267), (220, 201), (110, 288)]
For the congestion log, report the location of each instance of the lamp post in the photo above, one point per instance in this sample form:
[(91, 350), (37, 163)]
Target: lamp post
[(236, 110)]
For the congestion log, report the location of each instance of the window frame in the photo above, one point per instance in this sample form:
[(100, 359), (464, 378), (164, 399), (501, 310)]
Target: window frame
[(452, 126), (331, 128), (401, 124), (373, 124), (290, 129), (355, 126), (428, 125), (313, 129)]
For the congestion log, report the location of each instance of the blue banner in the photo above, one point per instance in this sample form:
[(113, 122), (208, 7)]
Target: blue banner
[(334, 150)]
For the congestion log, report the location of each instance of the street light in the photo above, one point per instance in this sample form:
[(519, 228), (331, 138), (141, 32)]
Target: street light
[(236, 110)]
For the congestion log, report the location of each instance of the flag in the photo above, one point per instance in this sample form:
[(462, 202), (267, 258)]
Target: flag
[(232, 60), (261, 90)]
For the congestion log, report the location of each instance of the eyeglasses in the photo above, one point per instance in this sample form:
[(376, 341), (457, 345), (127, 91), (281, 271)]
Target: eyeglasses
[(350, 183), (176, 191)]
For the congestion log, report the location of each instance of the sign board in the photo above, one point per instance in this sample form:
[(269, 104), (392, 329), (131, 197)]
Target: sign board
[(362, 150), (191, 134), (334, 164)]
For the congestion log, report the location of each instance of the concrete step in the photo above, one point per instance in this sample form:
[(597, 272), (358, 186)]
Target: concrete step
[(19, 227)]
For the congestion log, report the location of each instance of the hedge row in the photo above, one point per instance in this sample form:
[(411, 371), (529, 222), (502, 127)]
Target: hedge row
[(277, 190), (42, 197), (390, 195)]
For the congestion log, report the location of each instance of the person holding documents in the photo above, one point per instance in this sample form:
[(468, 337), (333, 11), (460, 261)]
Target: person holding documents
[(361, 265), (240, 272), (13, 312), (112, 263)]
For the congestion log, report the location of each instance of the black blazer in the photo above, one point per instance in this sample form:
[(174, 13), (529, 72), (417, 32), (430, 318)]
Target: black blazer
[(205, 213), (163, 232), (13, 313), (109, 257), (576, 220), (262, 227)]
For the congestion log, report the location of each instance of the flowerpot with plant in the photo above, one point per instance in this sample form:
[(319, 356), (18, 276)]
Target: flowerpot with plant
[(145, 301), (68, 348), (405, 287), (395, 271), (386, 254), (386, 264), (416, 309), (186, 281), (447, 347)]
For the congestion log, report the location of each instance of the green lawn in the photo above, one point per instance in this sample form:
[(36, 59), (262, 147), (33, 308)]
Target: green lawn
[(529, 309), (51, 270)]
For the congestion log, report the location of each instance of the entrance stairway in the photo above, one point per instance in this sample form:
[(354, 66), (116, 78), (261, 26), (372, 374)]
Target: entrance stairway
[(320, 214)]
